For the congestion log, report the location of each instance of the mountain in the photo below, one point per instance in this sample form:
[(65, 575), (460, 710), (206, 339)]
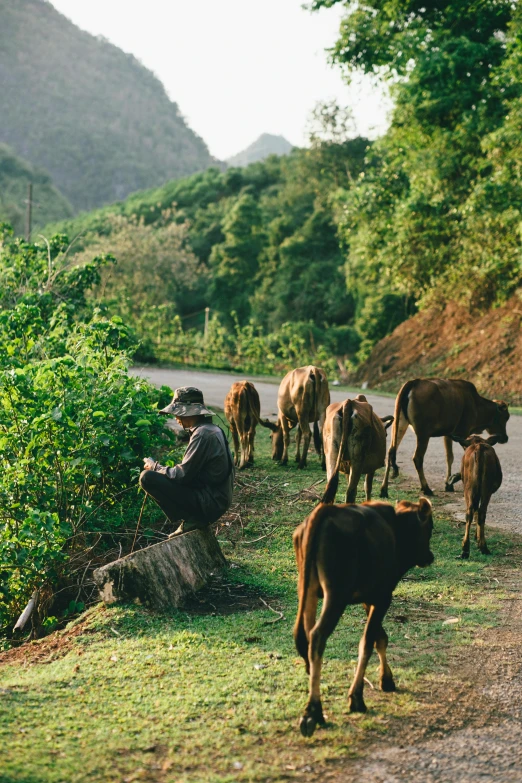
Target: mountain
[(15, 175), (91, 115), (266, 145)]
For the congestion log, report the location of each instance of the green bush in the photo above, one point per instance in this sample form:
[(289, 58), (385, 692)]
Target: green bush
[(74, 426)]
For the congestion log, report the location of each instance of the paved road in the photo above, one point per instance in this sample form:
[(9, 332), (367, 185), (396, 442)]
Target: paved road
[(506, 507)]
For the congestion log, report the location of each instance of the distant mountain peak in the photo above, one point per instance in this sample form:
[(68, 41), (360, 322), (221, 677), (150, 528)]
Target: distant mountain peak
[(267, 144)]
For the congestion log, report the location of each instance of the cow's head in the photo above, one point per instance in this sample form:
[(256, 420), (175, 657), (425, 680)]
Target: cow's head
[(276, 437), (499, 421), (473, 440), (418, 522)]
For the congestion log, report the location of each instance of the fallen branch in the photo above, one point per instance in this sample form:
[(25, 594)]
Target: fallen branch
[(275, 611), (26, 614)]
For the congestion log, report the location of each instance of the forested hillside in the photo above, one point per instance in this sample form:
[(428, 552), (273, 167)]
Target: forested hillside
[(15, 176), (323, 252), (96, 119)]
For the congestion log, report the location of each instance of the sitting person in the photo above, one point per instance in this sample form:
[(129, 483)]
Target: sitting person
[(198, 490)]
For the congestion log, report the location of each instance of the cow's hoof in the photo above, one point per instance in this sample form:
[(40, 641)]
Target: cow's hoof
[(283, 463), (301, 466), (428, 492), (449, 488), (395, 470), (307, 725), (356, 704), (384, 492), (388, 685), (485, 551), (463, 556)]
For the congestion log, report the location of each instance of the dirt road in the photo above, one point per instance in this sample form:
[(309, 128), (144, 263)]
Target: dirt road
[(506, 508)]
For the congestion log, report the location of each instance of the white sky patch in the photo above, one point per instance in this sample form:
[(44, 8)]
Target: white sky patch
[(236, 68)]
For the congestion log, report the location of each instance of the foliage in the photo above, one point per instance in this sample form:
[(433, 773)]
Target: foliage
[(91, 115), (421, 220), (73, 425)]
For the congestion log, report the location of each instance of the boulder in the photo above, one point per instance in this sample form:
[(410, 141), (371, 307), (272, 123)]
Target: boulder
[(162, 575)]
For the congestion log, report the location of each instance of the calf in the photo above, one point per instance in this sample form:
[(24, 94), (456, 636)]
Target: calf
[(481, 476), (243, 412), (354, 439), (303, 398), (352, 555)]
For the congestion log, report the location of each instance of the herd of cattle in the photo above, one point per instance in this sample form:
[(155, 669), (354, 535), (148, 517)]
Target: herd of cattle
[(357, 554)]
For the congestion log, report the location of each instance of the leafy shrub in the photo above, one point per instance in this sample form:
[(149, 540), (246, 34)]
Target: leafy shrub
[(74, 425)]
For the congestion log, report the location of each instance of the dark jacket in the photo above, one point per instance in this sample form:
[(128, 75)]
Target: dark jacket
[(207, 470)]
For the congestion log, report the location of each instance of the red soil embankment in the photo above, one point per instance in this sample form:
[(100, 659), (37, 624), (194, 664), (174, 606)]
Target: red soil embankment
[(453, 343)]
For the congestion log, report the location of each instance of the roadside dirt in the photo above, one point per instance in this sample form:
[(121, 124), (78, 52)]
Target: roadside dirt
[(469, 727), (451, 342)]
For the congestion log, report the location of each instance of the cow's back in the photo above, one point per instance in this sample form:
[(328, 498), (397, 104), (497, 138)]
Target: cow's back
[(438, 406), (303, 393)]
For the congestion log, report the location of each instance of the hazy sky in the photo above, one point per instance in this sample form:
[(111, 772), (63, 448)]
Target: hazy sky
[(236, 68)]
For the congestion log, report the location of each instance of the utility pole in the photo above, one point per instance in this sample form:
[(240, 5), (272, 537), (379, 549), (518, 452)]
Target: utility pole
[(207, 311), (29, 212)]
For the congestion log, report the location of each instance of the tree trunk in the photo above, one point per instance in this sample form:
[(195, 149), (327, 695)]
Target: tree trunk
[(162, 575)]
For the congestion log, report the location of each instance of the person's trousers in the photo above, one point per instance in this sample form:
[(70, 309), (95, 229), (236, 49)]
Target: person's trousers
[(177, 502)]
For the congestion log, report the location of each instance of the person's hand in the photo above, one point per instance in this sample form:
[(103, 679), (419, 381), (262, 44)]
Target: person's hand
[(148, 463)]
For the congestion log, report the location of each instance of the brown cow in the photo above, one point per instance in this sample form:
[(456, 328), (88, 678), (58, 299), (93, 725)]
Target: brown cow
[(303, 398), (481, 476), (354, 440), (352, 555), (436, 407), (243, 412)]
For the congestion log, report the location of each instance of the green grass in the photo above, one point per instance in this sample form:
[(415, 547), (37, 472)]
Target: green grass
[(213, 697)]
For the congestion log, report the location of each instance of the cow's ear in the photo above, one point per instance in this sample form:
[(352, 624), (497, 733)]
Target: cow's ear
[(424, 510), (464, 442), (492, 440), (501, 405), (387, 421), (361, 398)]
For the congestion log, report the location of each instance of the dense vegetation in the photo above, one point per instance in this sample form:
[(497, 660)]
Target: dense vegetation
[(92, 116), (333, 246), (73, 427), (15, 176)]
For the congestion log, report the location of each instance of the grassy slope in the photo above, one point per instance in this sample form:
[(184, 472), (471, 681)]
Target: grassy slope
[(193, 697)]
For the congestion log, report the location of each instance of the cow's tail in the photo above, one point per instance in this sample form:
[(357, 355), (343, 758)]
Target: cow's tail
[(317, 380), (401, 407), (306, 544), (477, 477), (251, 391), (345, 414)]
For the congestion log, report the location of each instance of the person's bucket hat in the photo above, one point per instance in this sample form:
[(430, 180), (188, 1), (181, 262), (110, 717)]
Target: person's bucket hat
[(187, 401)]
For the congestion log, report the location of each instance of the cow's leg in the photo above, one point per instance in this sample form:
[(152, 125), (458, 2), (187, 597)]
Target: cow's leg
[(321, 428), (251, 439), (235, 438), (325, 626), (391, 462), (298, 443), (371, 634), (418, 461), (448, 445), (353, 483), (381, 644), (481, 524), (305, 428), (244, 449), (465, 541), (368, 484), (286, 440)]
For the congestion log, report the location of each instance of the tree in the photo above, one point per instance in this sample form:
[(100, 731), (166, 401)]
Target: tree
[(234, 262)]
